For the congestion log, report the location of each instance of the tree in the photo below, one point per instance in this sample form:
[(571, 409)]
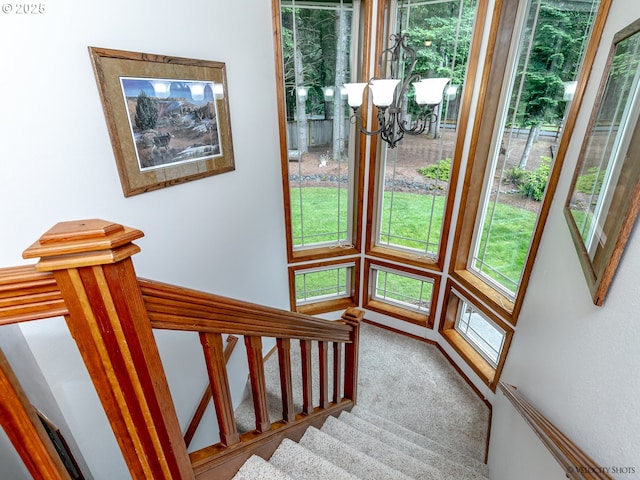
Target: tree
[(146, 112), (553, 56)]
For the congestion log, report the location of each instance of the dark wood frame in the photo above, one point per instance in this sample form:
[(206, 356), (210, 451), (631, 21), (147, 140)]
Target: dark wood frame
[(109, 66), (600, 268)]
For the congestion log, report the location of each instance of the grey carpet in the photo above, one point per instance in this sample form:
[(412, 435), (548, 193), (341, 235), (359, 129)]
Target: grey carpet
[(415, 418)]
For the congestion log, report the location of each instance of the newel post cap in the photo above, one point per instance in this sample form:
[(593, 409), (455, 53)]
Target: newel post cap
[(82, 243)]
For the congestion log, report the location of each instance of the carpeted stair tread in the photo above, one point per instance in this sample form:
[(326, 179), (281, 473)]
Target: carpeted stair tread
[(421, 440), (347, 457), (450, 470), (302, 464), (386, 454), (257, 468)]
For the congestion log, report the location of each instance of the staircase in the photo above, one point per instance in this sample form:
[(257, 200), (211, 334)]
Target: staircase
[(362, 445)]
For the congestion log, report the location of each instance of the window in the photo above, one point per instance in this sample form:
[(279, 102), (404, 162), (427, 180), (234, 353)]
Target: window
[(401, 292), (486, 166), (324, 286), (520, 146), (414, 179), (316, 60), (480, 332), (479, 336)]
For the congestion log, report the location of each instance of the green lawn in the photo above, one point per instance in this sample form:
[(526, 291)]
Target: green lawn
[(506, 251)]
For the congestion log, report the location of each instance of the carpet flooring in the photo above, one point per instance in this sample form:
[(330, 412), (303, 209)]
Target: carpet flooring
[(415, 416)]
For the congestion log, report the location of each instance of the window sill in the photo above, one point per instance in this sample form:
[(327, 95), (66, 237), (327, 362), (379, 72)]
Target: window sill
[(420, 319), (478, 364), (501, 304)]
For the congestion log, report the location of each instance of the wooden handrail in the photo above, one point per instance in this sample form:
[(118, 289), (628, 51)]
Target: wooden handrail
[(177, 308), (574, 461), (26, 294), (85, 274), (232, 341)]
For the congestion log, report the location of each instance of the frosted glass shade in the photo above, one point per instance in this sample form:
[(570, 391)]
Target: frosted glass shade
[(383, 90), (354, 93), (429, 91)]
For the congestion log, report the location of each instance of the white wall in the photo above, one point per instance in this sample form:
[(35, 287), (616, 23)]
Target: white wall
[(576, 362), (222, 234)]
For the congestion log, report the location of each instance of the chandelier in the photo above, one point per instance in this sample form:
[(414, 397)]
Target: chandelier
[(388, 95)]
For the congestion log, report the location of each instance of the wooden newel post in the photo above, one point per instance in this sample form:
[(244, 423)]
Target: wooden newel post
[(91, 262), (353, 317)]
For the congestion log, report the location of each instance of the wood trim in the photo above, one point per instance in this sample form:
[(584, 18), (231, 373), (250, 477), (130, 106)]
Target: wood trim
[(24, 429), (409, 257), (27, 294), (573, 460)]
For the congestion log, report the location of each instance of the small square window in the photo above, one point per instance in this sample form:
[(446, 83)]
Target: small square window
[(481, 333), (402, 290)]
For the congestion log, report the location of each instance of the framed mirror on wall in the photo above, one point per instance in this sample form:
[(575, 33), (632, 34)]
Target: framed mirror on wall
[(604, 197)]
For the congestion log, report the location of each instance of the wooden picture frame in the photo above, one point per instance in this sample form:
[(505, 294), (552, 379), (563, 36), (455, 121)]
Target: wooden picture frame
[(61, 446), (168, 117), (604, 197)]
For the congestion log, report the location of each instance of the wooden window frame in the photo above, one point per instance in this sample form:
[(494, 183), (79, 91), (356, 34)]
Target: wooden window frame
[(370, 303), (500, 37), (485, 371), (323, 251), (407, 256), (331, 305)]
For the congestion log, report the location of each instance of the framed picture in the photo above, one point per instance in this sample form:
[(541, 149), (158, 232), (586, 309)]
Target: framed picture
[(168, 117), (604, 199)]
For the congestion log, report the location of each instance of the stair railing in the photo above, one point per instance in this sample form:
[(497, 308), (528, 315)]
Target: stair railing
[(85, 274), (574, 461)]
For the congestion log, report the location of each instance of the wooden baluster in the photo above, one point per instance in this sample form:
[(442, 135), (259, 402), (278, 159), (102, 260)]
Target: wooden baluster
[(307, 380), (337, 371), (24, 429), (107, 318), (284, 360), (352, 317), (206, 396), (258, 386), (324, 373), (219, 382)]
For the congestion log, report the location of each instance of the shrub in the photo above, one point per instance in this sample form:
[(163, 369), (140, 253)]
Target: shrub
[(146, 112), (536, 180), (515, 176), (437, 171), (593, 178)]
